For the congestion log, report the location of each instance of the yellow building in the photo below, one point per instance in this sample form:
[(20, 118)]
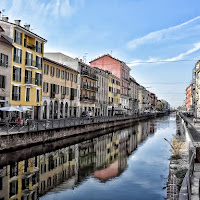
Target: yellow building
[(60, 90), (26, 70), (23, 179), (113, 94)]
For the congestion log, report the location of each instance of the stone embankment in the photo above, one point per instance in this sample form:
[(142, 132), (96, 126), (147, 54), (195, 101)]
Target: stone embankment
[(19, 140)]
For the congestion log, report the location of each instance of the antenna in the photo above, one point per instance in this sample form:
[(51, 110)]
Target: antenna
[(84, 57), (111, 52)]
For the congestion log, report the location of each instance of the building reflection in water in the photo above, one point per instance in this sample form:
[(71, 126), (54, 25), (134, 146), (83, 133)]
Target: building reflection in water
[(104, 158)]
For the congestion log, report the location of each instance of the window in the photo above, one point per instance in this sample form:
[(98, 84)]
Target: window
[(28, 90), (67, 90), (75, 78), (52, 71), (38, 47), (16, 93), (28, 77), (46, 69), (71, 77), (37, 95), (45, 87), (63, 90), (4, 60), (25, 183), (67, 75), (13, 188), (25, 165), (62, 74), (18, 37), (13, 169), (58, 73), (38, 79), (29, 59), (75, 92), (57, 89), (38, 62), (2, 81), (17, 55)]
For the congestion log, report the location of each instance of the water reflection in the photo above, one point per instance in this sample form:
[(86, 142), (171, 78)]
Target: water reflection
[(104, 158)]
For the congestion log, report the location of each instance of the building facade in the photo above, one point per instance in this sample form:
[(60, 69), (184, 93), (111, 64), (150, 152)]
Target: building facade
[(5, 71), (133, 96), (102, 93), (120, 70), (114, 88), (26, 70), (189, 100), (88, 90), (60, 91)]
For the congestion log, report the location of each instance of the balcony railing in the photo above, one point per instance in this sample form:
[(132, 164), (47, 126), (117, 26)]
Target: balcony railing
[(87, 87), (86, 98), (30, 63), (86, 73), (30, 81), (29, 45), (62, 96), (52, 94)]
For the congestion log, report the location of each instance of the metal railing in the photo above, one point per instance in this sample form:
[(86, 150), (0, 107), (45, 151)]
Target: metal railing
[(29, 45), (30, 80), (49, 124), (86, 73)]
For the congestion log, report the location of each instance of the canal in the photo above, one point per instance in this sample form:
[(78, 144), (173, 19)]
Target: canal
[(132, 163)]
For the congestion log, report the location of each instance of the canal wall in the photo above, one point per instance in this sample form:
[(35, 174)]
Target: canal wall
[(10, 142)]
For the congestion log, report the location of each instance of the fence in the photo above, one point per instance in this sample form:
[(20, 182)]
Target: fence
[(38, 125)]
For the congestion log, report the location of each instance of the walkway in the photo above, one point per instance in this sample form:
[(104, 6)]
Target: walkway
[(38, 125)]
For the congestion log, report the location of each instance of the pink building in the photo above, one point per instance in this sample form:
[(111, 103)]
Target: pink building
[(119, 69)]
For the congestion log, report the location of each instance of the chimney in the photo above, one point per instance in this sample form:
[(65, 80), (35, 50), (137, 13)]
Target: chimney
[(5, 19), (27, 27), (17, 22)]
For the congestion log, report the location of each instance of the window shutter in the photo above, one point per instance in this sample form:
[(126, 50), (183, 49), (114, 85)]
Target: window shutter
[(19, 95), (20, 39), (3, 81), (6, 61), (47, 87), (41, 61), (20, 56), (37, 46), (40, 79), (31, 59), (14, 54), (12, 92), (41, 48), (20, 74), (15, 36)]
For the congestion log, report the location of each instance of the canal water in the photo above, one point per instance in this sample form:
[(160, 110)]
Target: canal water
[(132, 163)]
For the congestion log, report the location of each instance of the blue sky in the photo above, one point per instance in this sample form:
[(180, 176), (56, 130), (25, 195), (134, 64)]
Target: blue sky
[(133, 30)]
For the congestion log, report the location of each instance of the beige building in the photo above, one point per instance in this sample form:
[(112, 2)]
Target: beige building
[(101, 105), (5, 70), (60, 90)]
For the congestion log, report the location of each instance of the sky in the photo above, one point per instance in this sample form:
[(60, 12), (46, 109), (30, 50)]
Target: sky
[(139, 32)]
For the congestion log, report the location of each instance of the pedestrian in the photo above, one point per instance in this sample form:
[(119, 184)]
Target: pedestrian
[(194, 121)]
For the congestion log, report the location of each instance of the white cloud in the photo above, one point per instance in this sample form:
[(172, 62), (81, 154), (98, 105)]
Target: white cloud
[(157, 60), (164, 34)]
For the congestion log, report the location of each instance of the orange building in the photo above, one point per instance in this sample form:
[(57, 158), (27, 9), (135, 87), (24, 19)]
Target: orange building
[(189, 100)]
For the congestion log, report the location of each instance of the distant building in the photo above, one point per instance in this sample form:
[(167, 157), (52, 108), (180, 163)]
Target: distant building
[(120, 70), (189, 100)]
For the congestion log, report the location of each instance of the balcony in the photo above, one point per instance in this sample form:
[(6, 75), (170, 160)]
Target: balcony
[(52, 94), (87, 87), (30, 81), (30, 64), (88, 99), (89, 75), (62, 96), (29, 45)]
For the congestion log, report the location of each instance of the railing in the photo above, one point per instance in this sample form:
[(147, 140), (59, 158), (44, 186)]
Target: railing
[(29, 45), (3, 64), (85, 86), (86, 73), (62, 96), (38, 125), (29, 80), (86, 98)]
